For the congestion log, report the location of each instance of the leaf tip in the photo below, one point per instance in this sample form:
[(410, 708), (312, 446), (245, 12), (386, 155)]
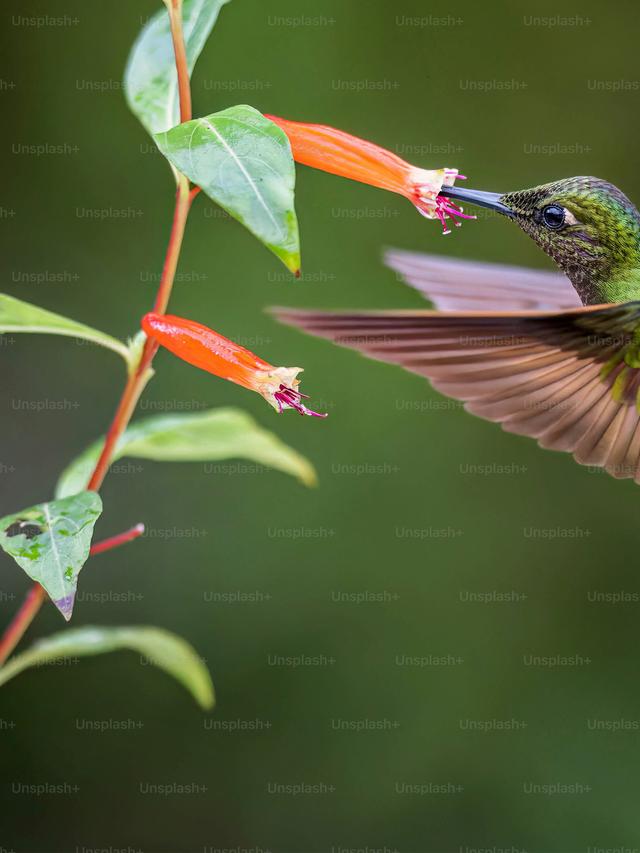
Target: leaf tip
[(308, 475), (65, 605), (291, 259), (207, 702)]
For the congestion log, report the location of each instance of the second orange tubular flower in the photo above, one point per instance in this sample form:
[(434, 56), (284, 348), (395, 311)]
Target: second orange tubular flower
[(202, 347)]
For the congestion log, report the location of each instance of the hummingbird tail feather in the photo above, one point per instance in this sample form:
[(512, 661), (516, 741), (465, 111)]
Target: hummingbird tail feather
[(567, 379)]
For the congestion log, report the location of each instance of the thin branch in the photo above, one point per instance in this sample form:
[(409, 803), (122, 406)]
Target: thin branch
[(21, 621), (117, 541), (180, 53)]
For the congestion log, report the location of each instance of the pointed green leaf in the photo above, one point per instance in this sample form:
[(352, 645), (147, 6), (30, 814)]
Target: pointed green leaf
[(194, 437), (51, 543), (243, 162), (18, 316), (161, 648), (150, 80)]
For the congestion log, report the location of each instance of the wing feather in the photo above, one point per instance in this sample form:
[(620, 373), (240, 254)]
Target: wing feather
[(537, 373), (458, 285)]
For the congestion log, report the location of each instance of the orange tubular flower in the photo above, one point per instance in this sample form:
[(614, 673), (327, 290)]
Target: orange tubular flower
[(204, 348), (341, 154)]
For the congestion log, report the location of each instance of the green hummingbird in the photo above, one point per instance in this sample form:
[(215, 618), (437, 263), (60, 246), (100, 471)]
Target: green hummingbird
[(548, 355)]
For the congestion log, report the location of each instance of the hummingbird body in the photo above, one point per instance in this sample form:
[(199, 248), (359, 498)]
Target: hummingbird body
[(555, 357)]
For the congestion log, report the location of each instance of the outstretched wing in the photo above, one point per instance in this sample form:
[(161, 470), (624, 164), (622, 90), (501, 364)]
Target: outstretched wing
[(454, 285), (560, 378)]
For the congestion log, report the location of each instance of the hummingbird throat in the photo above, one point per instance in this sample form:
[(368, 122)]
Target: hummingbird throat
[(600, 271)]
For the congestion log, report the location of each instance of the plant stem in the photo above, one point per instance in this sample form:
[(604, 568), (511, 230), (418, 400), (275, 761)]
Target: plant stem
[(128, 400), (140, 376), (183, 203), (116, 541), (142, 373), (184, 87), (21, 621)]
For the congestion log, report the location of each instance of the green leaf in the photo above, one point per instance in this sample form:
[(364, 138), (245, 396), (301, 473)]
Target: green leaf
[(194, 437), (51, 543), (18, 316), (161, 648), (150, 79), (243, 162)]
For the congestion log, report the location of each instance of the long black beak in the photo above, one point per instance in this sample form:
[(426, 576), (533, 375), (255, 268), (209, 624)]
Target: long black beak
[(479, 198)]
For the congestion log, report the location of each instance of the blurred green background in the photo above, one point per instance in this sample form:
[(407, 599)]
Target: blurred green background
[(428, 722)]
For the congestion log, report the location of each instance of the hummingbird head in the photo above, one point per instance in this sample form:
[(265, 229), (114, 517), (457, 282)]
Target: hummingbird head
[(587, 225)]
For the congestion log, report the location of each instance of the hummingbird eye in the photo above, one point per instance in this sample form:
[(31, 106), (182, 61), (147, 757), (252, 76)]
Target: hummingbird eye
[(553, 216)]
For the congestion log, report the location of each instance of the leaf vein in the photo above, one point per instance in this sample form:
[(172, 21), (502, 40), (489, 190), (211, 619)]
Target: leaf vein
[(243, 170)]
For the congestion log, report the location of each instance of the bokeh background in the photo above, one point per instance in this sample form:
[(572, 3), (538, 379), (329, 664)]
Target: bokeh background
[(442, 563)]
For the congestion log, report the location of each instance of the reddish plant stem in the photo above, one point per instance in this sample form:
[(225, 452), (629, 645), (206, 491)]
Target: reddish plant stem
[(138, 378), (127, 404), (21, 621), (184, 197), (184, 87), (140, 375), (116, 541)]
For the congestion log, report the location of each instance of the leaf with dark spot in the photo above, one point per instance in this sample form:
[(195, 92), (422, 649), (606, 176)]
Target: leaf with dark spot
[(51, 542)]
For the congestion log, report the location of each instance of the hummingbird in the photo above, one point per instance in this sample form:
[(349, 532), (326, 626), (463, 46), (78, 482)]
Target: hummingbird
[(550, 355)]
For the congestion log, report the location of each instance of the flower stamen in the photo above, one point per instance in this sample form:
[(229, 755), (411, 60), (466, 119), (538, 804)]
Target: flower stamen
[(288, 398), (446, 209)]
